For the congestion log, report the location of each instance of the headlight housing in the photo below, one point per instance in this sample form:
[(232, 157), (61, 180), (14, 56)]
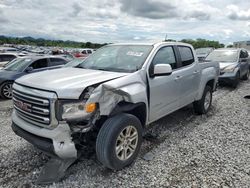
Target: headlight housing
[(75, 110), (229, 69)]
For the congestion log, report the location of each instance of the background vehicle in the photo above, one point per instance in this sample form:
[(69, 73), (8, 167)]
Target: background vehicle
[(234, 64), (202, 53), (110, 98), (5, 58), (8, 50), (84, 53), (22, 66)]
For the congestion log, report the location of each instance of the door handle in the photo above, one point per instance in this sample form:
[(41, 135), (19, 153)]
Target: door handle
[(196, 72), (177, 78)]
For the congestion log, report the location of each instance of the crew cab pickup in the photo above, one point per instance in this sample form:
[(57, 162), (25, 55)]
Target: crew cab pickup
[(110, 98)]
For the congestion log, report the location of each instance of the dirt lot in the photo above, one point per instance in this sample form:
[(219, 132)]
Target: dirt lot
[(212, 150)]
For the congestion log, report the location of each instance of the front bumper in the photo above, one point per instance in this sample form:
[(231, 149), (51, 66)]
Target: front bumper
[(57, 141), (228, 78)]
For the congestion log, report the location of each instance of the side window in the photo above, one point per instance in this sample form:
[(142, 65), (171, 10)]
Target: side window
[(165, 56), (56, 62), (38, 64), (7, 57), (84, 52), (187, 57), (89, 51), (243, 54)]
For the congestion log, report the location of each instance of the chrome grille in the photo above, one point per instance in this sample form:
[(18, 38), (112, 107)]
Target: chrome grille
[(32, 108)]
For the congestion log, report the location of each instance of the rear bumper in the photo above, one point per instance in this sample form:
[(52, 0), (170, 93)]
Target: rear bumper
[(56, 141)]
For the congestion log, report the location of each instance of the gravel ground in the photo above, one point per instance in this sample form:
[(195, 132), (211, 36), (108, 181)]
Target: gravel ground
[(186, 150)]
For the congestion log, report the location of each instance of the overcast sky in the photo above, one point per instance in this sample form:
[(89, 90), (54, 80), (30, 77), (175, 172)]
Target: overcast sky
[(126, 20)]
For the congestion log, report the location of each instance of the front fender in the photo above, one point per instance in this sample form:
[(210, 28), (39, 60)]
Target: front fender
[(130, 89)]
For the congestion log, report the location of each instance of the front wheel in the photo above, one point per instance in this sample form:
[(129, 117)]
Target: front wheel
[(204, 104), (119, 140), (6, 90), (246, 76)]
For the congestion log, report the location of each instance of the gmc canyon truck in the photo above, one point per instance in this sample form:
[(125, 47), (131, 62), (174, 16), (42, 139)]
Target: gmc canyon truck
[(111, 98)]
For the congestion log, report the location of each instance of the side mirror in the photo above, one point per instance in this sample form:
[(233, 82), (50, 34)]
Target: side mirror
[(29, 69), (162, 70), (243, 60)]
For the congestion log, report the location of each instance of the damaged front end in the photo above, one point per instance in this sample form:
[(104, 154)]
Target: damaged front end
[(78, 122)]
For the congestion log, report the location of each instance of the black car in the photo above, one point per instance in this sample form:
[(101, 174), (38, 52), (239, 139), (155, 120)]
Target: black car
[(25, 65)]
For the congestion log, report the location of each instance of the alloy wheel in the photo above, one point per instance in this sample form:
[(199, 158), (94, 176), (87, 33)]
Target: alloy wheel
[(7, 91), (126, 143), (207, 101)]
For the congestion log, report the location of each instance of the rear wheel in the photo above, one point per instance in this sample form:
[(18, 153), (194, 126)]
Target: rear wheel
[(6, 90), (119, 140), (246, 76), (203, 105)]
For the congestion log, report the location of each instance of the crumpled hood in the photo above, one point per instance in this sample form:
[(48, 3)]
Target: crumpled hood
[(224, 65), (68, 83)]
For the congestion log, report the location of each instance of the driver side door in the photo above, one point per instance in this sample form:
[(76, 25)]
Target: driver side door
[(164, 90)]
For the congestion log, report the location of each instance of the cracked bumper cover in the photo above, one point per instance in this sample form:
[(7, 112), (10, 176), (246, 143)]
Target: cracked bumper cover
[(56, 142)]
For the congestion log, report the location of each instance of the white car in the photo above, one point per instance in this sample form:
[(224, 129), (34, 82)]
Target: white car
[(6, 57)]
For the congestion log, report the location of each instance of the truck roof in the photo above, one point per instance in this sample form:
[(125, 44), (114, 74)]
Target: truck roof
[(153, 44), (229, 49)]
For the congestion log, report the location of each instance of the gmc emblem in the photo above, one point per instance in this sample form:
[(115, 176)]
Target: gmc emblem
[(23, 106)]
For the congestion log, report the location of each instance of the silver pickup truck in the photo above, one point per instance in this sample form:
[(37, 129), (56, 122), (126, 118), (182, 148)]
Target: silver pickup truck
[(110, 98)]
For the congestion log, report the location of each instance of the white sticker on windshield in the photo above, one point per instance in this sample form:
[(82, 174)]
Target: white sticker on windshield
[(137, 54)]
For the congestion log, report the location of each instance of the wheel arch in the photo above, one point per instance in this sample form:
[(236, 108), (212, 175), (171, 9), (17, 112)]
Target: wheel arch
[(210, 82), (137, 109)]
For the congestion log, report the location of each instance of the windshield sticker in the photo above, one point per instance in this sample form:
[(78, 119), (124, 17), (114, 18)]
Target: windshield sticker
[(137, 54)]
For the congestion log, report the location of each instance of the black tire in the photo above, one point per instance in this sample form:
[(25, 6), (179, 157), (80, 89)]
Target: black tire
[(199, 106), (107, 140), (2, 90), (246, 76), (236, 81)]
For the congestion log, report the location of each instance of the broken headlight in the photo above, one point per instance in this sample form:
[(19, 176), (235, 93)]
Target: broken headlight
[(77, 109)]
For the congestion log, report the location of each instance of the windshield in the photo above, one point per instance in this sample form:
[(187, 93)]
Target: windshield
[(18, 64), (203, 50), (223, 56), (74, 63), (118, 58)]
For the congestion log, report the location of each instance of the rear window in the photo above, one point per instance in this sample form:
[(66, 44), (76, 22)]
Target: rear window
[(6, 57), (187, 57)]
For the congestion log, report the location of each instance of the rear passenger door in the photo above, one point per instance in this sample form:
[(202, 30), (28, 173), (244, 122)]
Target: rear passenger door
[(56, 63), (190, 75)]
